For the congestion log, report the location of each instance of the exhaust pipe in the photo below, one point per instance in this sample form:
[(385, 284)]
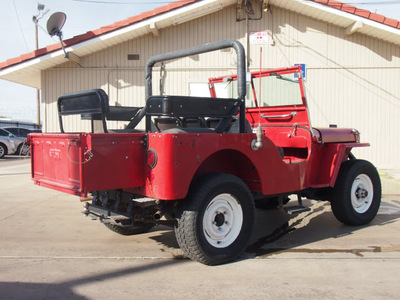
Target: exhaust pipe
[(158, 215)]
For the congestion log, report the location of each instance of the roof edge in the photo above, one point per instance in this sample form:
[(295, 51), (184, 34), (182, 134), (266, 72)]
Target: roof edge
[(360, 12), (96, 33)]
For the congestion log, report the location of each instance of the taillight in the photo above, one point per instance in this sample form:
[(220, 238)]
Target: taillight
[(151, 158)]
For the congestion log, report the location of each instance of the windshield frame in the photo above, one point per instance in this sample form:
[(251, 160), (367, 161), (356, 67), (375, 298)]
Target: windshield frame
[(256, 75)]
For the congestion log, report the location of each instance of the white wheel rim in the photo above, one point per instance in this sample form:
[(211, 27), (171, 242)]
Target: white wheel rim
[(222, 220), (362, 193)]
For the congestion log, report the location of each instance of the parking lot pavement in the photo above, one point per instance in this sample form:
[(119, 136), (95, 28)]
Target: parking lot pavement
[(50, 250)]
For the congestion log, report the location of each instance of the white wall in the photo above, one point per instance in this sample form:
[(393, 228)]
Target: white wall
[(351, 80)]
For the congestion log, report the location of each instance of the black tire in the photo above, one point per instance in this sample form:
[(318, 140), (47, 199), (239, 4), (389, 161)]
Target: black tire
[(23, 150), (357, 193), (18, 152), (3, 150), (216, 220), (138, 228), (26, 151)]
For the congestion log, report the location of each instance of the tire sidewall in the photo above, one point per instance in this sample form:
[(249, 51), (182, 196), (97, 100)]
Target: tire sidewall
[(18, 151)]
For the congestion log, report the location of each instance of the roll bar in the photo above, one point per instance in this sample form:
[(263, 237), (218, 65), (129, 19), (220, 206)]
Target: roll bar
[(241, 73)]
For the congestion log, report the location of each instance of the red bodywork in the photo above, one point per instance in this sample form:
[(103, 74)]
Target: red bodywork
[(87, 162)]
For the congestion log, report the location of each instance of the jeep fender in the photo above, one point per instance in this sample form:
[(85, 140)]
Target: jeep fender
[(333, 157)]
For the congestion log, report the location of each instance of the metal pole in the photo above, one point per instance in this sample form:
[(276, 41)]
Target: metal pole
[(36, 34), (37, 90)]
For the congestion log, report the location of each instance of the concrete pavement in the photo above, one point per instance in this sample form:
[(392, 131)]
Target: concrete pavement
[(49, 250)]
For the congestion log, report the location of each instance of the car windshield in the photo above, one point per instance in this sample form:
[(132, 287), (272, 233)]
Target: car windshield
[(20, 132), (4, 132), (12, 130), (276, 90)]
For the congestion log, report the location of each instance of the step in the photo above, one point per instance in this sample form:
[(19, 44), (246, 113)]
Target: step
[(296, 209)]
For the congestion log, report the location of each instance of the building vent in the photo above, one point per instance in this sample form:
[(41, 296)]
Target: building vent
[(133, 57)]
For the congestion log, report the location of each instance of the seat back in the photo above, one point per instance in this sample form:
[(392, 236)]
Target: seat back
[(93, 105), (193, 107)]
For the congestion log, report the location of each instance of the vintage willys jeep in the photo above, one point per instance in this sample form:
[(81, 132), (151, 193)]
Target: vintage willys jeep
[(202, 163)]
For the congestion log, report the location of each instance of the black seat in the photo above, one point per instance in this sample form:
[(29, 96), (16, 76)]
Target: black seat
[(189, 109), (93, 105), (164, 123)]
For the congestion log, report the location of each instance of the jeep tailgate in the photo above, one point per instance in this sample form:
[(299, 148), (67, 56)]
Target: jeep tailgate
[(78, 163)]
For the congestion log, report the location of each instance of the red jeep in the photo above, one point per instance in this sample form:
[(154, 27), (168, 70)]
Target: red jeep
[(202, 163)]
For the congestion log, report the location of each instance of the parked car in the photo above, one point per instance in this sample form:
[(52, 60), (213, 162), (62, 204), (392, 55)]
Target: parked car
[(7, 146), (21, 148), (20, 131)]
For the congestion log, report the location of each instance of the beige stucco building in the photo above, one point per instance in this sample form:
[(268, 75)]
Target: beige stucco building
[(351, 56)]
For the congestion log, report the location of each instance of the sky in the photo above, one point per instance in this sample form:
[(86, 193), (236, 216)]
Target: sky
[(17, 36), (17, 33)]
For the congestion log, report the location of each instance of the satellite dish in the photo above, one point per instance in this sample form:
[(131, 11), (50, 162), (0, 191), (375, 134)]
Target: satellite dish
[(55, 23)]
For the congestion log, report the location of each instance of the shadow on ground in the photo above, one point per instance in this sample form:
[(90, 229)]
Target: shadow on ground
[(274, 231), (66, 289), (309, 227)]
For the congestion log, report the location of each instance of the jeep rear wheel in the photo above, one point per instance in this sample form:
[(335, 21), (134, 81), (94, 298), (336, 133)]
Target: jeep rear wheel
[(138, 228), (357, 193), (216, 220)]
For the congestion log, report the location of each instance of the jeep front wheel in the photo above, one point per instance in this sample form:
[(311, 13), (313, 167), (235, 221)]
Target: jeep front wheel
[(357, 193), (215, 223)]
